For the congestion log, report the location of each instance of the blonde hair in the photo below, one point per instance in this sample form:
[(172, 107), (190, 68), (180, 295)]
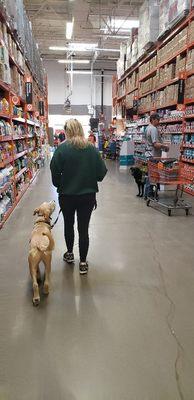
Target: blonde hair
[(75, 134)]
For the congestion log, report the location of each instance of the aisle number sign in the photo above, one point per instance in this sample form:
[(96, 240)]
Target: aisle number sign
[(181, 88), (28, 90)]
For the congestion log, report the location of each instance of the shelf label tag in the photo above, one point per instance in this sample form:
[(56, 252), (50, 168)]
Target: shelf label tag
[(41, 107)]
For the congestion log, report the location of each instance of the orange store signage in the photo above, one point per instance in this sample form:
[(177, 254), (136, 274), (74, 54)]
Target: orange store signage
[(15, 100), (29, 107)]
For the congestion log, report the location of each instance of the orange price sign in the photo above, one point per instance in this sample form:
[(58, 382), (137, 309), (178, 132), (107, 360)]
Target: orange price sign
[(28, 78), (15, 100), (182, 75), (29, 107), (180, 107)]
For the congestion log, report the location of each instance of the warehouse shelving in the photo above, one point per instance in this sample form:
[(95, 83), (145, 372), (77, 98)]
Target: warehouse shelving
[(19, 114), (156, 58)]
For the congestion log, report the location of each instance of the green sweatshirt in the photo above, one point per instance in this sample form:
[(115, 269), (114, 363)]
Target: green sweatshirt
[(77, 171)]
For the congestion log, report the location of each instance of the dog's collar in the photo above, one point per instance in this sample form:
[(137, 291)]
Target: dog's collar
[(43, 222), (41, 215)]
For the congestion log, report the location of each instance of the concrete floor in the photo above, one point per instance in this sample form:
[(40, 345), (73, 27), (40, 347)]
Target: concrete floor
[(125, 332)]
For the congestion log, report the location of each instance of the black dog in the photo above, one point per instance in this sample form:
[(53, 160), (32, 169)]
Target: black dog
[(139, 179)]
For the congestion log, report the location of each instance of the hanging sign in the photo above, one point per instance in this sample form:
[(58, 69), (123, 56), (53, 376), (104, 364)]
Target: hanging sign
[(28, 90), (15, 100), (41, 108), (181, 88), (29, 107)]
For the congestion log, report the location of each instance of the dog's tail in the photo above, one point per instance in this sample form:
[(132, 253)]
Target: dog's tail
[(43, 243)]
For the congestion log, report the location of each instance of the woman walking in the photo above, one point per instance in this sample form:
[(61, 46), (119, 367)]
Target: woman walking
[(76, 169)]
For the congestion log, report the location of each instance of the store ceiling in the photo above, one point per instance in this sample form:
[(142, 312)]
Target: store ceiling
[(49, 19)]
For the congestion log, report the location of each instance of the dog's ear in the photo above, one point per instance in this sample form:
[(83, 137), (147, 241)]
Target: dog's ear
[(36, 211)]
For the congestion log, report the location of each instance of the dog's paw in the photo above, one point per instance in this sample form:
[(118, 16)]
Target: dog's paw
[(46, 289), (36, 301)]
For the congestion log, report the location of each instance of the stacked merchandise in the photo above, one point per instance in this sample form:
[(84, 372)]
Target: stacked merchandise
[(132, 82), (149, 25), (134, 50), (22, 133), (154, 84), (190, 60), (189, 88), (121, 63), (130, 98), (129, 52), (5, 129), (5, 73), (169, 95), (170, 11), (175, 45), (19, 22), (147, 67)]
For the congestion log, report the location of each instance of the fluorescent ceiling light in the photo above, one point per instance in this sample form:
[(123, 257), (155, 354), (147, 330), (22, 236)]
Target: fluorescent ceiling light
[(121, 25), (73, 61), (83, 46), (69, 29), (80, 72)]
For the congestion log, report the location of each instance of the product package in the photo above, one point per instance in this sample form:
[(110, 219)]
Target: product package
[(149, 25)]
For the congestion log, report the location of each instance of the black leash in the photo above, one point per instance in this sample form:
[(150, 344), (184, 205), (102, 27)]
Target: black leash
[(52, 226)]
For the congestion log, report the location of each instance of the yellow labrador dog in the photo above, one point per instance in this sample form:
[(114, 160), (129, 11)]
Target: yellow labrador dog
[(41, 247)]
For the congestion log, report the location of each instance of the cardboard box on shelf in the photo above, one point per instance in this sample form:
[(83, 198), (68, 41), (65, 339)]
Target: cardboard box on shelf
[(173, 46), (167, 96), (191, 32), (132, 81), (147, 67), (189, 87), (130, 98), (180, 64), (190, 60)]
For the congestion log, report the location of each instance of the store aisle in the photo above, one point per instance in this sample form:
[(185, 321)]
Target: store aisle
[(125, 332)]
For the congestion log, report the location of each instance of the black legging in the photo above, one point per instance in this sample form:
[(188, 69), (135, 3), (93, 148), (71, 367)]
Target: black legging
[(84, 205)]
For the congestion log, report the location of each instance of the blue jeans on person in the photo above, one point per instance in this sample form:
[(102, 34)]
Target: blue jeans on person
[(148, 188)]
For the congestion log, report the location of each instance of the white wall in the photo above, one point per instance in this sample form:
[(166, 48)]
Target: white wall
[(58, 122), (81, 86)]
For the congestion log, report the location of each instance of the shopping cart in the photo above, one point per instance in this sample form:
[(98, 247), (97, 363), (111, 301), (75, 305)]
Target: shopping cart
[(169, 172)]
